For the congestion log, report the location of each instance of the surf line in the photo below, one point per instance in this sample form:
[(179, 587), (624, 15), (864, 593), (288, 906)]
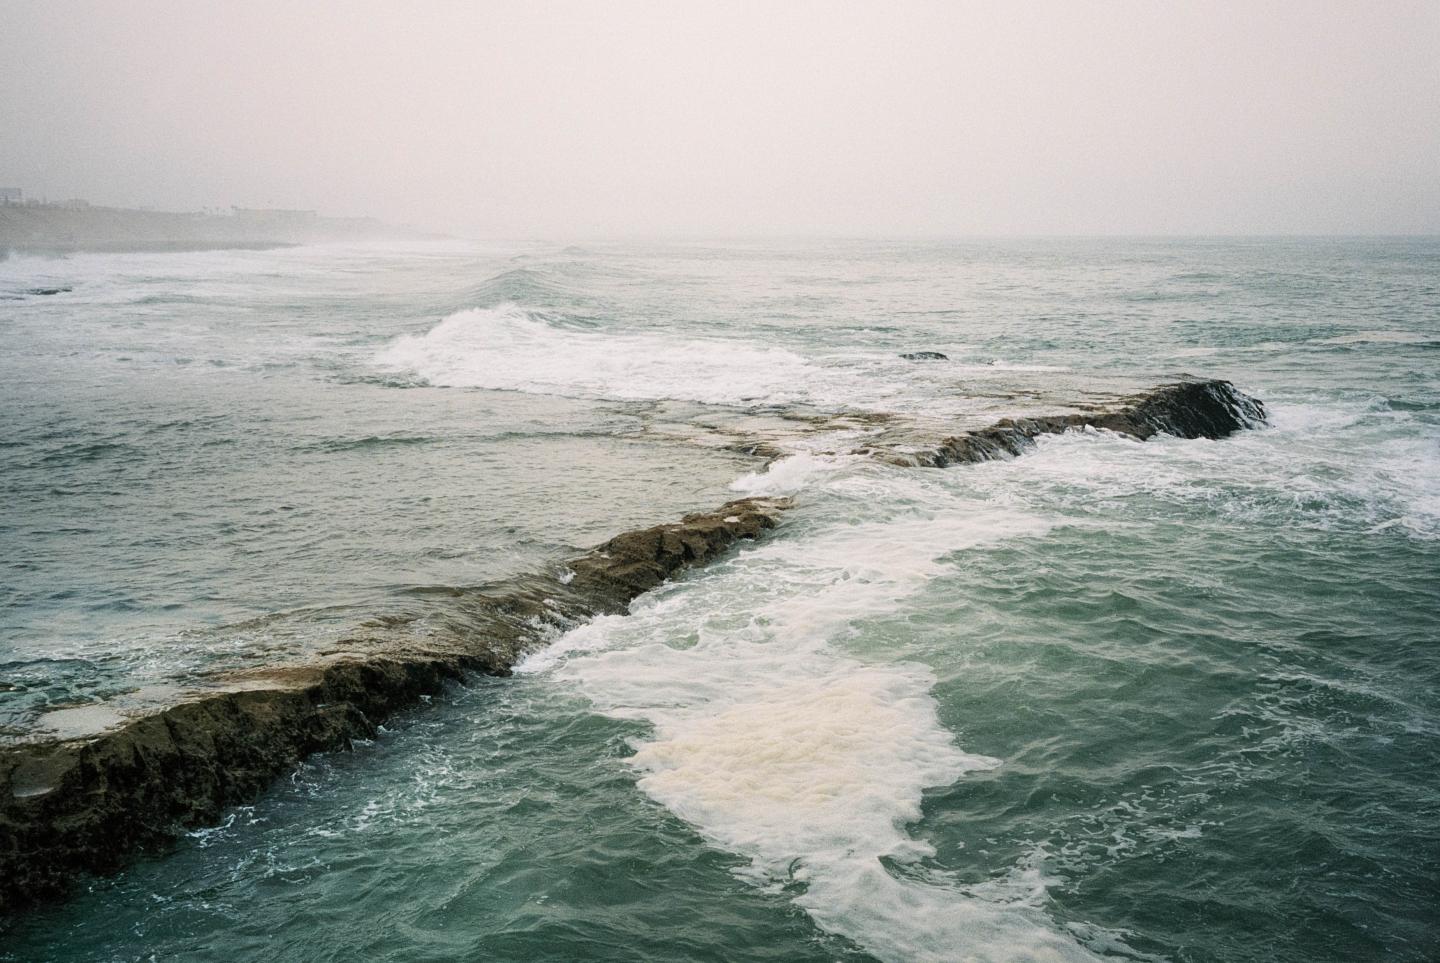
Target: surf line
[(72, 805)]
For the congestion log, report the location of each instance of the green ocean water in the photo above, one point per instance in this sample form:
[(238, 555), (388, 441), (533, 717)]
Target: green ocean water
[(1173, 700)]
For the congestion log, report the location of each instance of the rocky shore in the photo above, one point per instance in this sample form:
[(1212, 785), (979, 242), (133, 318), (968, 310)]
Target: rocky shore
[(87, 802)]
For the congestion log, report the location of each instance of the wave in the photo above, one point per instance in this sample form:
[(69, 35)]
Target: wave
[(508, 348), (526, 285), (515, 348)]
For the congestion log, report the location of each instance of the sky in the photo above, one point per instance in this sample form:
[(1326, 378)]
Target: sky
[(591, 119)]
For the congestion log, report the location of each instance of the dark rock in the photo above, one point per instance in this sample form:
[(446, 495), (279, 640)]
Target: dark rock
[(925, 356), (1185, 409)]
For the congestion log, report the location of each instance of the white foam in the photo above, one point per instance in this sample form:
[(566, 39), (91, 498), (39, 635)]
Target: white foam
[(511, 349), (507, 348), (788, 475), (1326, 465), (776, 741), (791, 769)]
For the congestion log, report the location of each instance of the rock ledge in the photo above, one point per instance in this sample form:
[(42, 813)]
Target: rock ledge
[(69, 806)]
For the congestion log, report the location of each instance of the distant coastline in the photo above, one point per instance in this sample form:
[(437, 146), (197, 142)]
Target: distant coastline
[(60, 228)]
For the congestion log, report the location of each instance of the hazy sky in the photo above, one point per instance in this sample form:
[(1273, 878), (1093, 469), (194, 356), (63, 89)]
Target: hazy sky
[(591, 118)]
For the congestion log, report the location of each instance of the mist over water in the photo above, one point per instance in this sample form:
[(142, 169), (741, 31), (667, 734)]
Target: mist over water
[(1171, 700), (643, 118)]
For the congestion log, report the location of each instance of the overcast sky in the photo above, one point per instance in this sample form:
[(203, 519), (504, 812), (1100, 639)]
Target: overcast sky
[(588, 118)]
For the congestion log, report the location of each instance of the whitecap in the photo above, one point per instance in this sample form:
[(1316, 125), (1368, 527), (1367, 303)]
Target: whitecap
[(508, 348)]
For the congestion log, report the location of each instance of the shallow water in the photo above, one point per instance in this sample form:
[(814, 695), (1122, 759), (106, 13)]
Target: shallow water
[(1172, 700)]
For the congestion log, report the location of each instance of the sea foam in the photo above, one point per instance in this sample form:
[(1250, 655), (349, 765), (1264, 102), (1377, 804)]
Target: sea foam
[(508, 348), (778, 742), (786, 476)]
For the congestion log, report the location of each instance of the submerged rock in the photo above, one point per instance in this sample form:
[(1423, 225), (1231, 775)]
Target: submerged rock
[(925, 356)]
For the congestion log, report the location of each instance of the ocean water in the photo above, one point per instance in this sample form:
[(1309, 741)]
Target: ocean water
[(1177, 700)]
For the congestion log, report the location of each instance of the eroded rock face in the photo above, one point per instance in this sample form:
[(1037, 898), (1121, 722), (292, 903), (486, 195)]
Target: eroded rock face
[(69, 806)]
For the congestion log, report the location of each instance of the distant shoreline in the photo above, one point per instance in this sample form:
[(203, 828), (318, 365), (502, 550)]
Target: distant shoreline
[(139, 247), (57, 229)]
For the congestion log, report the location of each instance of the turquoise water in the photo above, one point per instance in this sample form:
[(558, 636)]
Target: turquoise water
[(1164, 701)]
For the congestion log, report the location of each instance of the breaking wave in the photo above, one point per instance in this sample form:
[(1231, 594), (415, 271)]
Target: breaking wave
[(510, 349)]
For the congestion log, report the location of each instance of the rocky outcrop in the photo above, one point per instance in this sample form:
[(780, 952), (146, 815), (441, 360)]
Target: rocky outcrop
[(925, 356), (73, 806), (1186, 409), (77, 805)]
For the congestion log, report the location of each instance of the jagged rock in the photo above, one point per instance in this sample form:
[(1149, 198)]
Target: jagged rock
[(925, 356)]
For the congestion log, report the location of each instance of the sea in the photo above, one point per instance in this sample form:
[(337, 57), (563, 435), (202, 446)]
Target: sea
[(1107, 700)]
